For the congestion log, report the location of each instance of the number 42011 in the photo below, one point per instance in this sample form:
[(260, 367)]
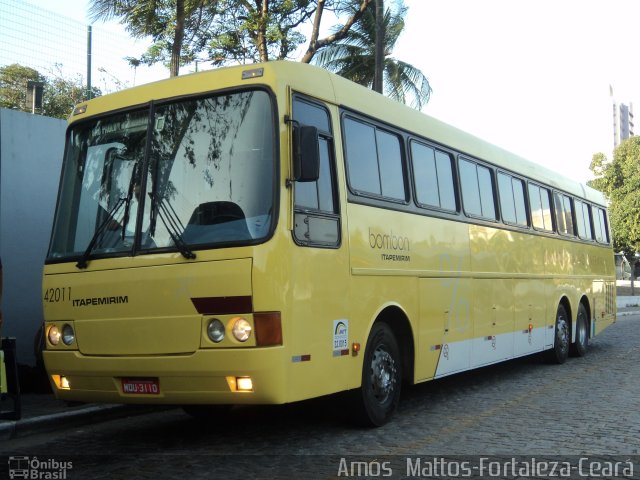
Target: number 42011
[(59, 294)]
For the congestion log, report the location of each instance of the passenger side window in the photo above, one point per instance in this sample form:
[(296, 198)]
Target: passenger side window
[(477, 190), (583, 220), (564, 213), (433, 172), (512, 205), (317, 221), (600, 225), (540, 205), (374, 160)]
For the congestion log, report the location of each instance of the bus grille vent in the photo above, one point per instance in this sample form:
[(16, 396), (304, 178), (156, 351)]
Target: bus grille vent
[(610, 298)]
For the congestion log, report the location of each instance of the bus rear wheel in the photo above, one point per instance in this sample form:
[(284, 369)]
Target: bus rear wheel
[(378, 397), (562, 337), (579, 348)]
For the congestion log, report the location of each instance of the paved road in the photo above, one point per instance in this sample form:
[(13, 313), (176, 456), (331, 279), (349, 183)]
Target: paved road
[(589, 406)]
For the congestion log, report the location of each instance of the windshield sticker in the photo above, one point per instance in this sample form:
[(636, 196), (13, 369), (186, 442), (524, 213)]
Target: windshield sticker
[(160, 123)]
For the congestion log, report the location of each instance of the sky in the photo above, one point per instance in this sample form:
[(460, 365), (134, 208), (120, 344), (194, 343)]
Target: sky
[(532, 76)]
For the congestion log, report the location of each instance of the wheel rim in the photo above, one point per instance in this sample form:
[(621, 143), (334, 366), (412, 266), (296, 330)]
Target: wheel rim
[(562, 333), (383, 375)]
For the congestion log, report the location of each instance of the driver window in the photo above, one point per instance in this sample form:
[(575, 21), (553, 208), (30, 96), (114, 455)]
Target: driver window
[(316, 208)]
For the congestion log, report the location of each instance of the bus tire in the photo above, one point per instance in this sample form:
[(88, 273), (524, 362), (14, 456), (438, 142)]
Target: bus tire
[(379, 395), (562, 338), (579, 348)]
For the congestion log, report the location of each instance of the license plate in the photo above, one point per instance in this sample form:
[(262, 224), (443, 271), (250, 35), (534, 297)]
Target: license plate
[(141, 386)]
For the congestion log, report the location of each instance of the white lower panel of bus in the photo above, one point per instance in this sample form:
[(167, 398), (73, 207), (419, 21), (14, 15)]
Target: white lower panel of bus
[(477, 352)]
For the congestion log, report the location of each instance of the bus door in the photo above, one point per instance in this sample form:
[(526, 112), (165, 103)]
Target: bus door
[(320, 270)]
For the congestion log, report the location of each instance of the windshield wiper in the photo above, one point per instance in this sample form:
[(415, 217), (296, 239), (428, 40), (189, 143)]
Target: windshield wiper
[(84, 260), (173, 225)]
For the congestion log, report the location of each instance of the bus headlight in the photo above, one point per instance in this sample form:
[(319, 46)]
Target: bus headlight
[(54, 335), (241, 329), (215, 330), (68, 335)]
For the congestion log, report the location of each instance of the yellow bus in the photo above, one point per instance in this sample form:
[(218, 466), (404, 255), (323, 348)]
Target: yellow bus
[(271, 233)]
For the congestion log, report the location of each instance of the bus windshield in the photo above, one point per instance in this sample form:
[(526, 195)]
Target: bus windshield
[(175, 176)]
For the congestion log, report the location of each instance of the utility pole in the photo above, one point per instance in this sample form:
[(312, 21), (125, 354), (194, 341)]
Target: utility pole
[(89, 62)]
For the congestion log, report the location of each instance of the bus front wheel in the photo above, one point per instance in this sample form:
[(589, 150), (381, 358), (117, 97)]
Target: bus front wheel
[(562, 337), (379, 395)]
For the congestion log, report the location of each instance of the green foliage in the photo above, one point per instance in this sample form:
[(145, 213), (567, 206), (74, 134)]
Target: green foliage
[(60, 94), (258, 31), (354, 58), (13, 85), (226, 31), (179, 29), (620, 181)]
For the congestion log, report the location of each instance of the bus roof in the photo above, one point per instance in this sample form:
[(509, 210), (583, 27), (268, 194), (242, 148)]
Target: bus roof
[(332, 88)]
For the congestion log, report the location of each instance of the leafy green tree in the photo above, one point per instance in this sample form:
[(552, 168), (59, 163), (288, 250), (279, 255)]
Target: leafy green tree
[(180, 29), (258, 30), (353, 10), (263, 30), (60, 93), (598, 163), (13, 85), (227, 31), (620, 181), (354, 58)]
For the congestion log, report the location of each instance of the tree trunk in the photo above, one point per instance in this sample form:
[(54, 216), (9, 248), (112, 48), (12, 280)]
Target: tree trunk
[(316, 44), (262, 32), (632, 276), (176, 49), (379, 54)]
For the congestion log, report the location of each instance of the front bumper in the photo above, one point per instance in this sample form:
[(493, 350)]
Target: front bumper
[(197, 378)]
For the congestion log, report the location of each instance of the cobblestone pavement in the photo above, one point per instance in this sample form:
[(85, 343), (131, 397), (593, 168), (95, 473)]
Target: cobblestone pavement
[(588, 406)]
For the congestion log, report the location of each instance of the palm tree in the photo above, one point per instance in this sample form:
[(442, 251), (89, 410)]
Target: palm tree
[(141, 19), (354, 58)]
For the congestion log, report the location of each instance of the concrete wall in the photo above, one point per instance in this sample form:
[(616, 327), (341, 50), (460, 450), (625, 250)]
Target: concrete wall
[(31, 149)]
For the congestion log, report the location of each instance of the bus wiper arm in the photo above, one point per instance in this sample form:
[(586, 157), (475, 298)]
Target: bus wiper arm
[(174, 226), (84, 260)]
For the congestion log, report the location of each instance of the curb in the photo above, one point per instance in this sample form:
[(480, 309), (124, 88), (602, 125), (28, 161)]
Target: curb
[(82, 416)]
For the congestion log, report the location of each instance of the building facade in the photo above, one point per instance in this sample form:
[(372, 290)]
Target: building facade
[(622, 122)]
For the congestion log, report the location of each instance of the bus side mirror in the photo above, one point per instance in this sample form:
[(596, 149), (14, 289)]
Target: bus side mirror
[(306, 154)]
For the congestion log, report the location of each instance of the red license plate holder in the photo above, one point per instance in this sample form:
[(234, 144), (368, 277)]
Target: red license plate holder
[(141, 386)]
